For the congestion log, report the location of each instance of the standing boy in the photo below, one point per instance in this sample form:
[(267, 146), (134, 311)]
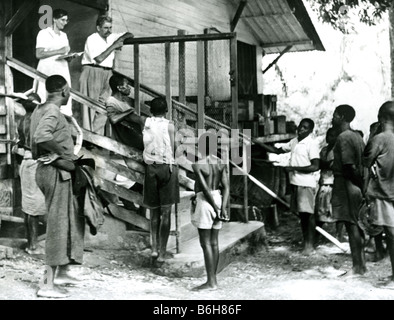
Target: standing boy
[(161, 185), (212, 193), (33, 201), (348, 183), (304, 161)]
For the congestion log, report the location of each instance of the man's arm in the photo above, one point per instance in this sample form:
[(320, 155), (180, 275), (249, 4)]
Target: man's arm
[(137, 119), (225, 192), (371, 152), (352, 173), (116, 45), (55, 156), (204, 186), (116, 117), (315, 166), (367, 177), (269, 148), (174, 142)]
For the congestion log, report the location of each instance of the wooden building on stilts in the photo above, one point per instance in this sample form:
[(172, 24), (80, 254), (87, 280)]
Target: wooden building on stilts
[(205, 57)]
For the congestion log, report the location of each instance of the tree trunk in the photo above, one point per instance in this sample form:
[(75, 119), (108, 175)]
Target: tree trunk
[(391, 15)]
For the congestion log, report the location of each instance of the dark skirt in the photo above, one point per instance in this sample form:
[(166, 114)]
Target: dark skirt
[(65, 226)]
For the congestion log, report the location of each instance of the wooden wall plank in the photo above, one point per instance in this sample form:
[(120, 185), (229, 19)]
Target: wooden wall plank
[(164, 18), (119, 191), (113, 145), (129, 217)]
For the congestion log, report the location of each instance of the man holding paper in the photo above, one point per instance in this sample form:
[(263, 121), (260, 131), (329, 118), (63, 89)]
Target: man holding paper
[(97, 65)]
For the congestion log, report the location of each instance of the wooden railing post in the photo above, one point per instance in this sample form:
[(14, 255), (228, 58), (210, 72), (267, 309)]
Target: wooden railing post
[(245, 167), (234, 94), (182, 69), (201, 85), (168, 79), (180, 116), (137, 85), (234, 81)]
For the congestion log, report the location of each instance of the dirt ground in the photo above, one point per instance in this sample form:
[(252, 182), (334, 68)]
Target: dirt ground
[(277, 271)]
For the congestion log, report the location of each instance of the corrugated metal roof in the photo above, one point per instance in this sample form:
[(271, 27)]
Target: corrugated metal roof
[(277, 24)]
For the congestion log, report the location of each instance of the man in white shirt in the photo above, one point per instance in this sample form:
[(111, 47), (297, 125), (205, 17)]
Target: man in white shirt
[(304, 161), (97, 65)]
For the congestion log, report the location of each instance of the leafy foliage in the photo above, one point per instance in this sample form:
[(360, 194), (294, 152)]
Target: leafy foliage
[(339, 12)]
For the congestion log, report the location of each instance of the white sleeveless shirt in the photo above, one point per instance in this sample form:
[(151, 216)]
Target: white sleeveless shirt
[(157, 142)]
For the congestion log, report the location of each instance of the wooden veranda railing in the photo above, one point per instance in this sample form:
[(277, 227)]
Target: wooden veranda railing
[(107, 169), (180, 106)]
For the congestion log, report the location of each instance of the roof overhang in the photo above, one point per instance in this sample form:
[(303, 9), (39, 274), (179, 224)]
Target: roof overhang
[(278, 24)]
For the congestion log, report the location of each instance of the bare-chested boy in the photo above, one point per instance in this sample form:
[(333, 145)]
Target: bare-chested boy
[(212, 193)]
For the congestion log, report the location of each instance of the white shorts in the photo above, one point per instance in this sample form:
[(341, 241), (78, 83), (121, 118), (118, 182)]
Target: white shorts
[(33, 200), (204, 216)]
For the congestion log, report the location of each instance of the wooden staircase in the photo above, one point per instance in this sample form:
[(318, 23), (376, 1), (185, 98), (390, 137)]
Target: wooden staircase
[(184, 240)]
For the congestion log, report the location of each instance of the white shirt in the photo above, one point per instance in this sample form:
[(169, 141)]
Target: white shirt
[(49, 40), (301, 154), (96, 45), (157, 142)]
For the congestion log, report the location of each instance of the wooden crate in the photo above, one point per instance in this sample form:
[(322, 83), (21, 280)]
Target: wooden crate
[(280, 124)]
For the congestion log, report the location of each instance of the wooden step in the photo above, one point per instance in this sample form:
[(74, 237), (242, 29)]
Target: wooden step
[(234, 238)]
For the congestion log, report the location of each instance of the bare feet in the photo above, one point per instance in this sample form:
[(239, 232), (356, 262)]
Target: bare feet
[(35, 251), (66, 280), (206, 286), (308, 251), (378, 256), (386, 283), (163, 257), (351, 274), (54, 293)]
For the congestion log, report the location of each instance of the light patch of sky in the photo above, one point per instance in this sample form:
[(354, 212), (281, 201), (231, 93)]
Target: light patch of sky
[(354, 70)]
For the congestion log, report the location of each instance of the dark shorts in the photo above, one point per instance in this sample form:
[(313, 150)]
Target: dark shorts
[(161, 187)]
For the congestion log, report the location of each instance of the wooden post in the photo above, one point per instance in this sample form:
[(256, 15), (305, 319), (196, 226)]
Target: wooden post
[(234, 81), (182, 99), (238, 14), (177, 232), (245, 167), (234, 94), (201, 85), (5, 85), (137, 85), (182, 69), (168, 79), (7, 193)]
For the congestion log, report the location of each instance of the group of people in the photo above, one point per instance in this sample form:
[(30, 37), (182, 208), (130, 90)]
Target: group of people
[(355, 183), (53, 183), (352, 174), (53, 52)]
